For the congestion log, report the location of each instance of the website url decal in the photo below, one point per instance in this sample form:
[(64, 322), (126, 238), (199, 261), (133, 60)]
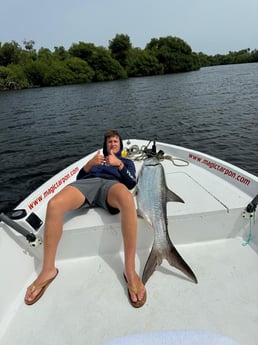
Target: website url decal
[(52, 188), (221, 169)]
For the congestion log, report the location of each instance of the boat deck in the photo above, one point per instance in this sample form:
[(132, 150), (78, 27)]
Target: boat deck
[(203, 205), (73, 311), (87, 303)]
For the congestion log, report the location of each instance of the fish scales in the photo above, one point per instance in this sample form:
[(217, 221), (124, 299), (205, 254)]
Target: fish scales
[(152, 202), (152, 195)]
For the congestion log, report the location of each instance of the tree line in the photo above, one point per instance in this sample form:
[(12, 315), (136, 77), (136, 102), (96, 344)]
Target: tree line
[(24, 67), (237, 57)]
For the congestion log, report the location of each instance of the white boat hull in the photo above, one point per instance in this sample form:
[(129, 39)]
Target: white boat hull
[(87, 303)]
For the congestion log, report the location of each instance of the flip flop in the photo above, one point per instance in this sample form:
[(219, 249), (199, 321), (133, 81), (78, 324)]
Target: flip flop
[(43, 286), (135, 290)]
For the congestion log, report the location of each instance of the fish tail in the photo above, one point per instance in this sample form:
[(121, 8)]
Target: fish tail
[(176, 260), (155, 258)]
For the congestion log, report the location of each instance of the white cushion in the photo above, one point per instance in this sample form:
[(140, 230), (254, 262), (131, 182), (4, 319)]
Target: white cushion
[(180, 337)]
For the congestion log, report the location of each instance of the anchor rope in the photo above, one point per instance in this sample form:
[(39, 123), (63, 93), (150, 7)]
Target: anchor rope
[(137, 153)]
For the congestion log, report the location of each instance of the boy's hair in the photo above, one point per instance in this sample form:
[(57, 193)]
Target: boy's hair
[(111, 133)]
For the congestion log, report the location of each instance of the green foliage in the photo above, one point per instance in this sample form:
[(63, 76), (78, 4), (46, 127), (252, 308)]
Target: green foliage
[(173, 53), (35, 72), (100, 60), (173, 45), (60, 53), (13, 77), (52, 73), (9, 53), (254, 56), (82, 72), (45, 54), (105, 67), (241, 56), (82, 50), (3, 77), (120, 48), (143, 63), (84, 62), (27, 56), (28, 45), (58, 74)]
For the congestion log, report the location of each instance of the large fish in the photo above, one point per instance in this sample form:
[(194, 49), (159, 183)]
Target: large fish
[(152, 195)]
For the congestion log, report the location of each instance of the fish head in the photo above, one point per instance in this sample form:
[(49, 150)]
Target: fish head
[(149, 164), (152, 178), (151, 161)]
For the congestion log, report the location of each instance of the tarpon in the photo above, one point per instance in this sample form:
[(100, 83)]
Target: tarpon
[(152, 195)]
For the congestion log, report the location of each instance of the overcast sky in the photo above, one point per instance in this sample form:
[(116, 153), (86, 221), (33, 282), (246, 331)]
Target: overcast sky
[(211, 27)]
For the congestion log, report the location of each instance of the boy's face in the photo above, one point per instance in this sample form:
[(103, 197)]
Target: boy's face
[(113, 143)]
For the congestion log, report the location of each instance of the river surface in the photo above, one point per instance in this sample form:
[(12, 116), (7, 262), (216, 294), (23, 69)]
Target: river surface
[(214, 110)]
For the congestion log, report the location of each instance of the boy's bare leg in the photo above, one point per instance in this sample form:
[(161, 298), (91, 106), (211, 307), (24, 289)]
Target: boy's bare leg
[(120, 197), (68, 199)]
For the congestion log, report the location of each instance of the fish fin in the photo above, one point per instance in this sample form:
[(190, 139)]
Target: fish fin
[(175, 259), (135, 191), (154, 259), (139, 213), (171, 196), (144, 216)]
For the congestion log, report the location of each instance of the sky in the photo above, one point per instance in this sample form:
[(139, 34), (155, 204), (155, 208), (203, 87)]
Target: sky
[(210, 27)]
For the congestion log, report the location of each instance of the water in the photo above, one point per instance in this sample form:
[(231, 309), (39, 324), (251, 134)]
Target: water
[(214, 110)]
